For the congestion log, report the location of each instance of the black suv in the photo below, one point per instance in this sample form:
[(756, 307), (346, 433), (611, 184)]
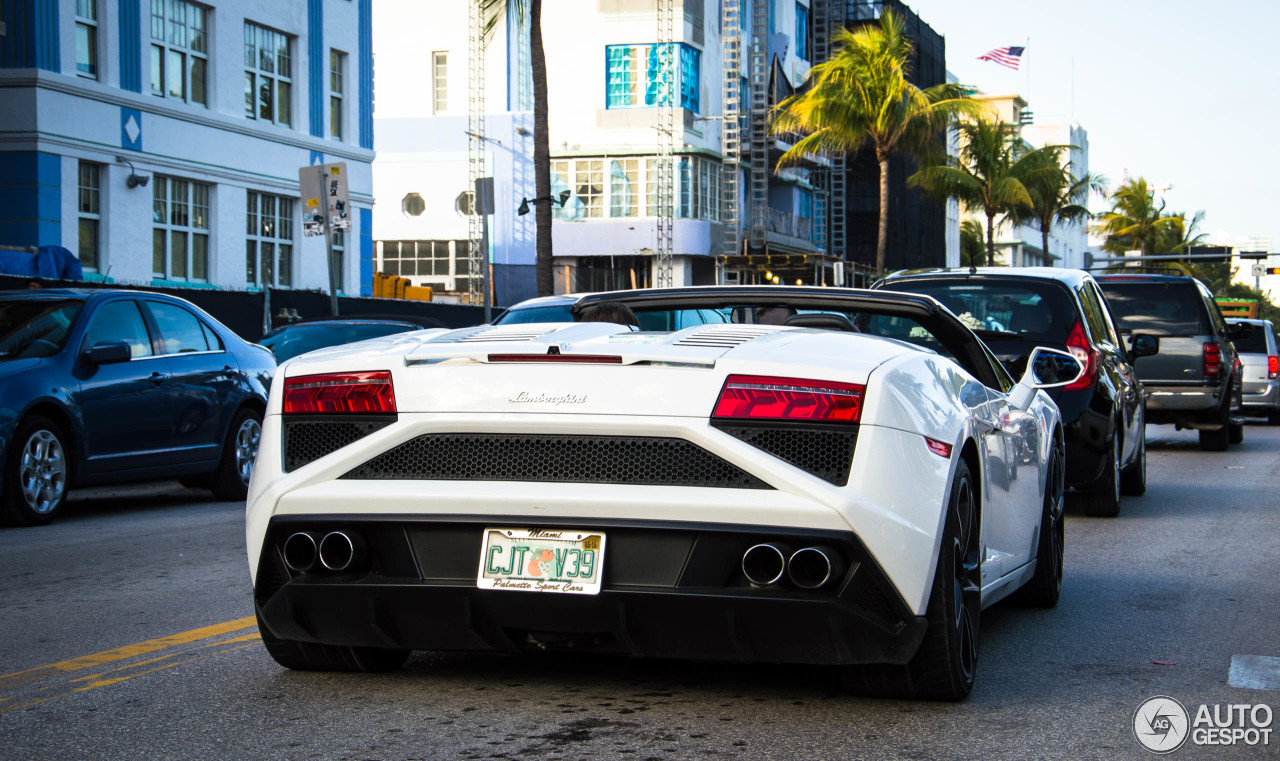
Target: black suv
[(1193, 381), (1014, 310)]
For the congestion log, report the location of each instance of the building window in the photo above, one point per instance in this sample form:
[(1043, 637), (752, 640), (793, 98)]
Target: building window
[(631, 189), (180, 229), (440, 82), (413, 205), (339, 260), (337, 74), (624, 184), (179, 51), (269, 241), (644, 76), (268, 75), (87, 38), (90, 215), (802, 32)]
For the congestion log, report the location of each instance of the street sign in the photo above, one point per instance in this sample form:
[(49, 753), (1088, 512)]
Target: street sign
[(324, 198), (1252, 254), (1259, 270)]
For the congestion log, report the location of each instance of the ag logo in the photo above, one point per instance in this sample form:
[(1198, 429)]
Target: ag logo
[(1161, 724)]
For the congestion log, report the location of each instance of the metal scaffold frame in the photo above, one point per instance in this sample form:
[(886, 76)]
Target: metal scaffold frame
[(475, 153), (731, 127), (668, 101), (837, 191), (758, 79)]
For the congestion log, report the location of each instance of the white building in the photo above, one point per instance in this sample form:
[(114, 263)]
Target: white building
[(1021, 245), (161, 142), (602, 60)]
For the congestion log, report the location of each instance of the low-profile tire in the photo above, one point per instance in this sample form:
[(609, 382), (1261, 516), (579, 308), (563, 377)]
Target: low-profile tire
[(944, 666), (1133, 479), (231, 479), (1045, 586), (1236, 433), (37, 474), (309, 656), (1103, 500)]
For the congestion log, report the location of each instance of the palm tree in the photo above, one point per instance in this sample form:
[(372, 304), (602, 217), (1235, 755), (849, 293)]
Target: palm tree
[(1057, 195), (861, 96), (1135, 221), (1179, 237), (491, 13), (971, 245), (989, 173)]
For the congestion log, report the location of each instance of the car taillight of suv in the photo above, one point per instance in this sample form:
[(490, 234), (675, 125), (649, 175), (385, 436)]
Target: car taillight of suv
[(1212, 360)]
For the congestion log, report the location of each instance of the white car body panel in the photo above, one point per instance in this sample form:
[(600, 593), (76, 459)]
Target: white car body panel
[(894, 500)]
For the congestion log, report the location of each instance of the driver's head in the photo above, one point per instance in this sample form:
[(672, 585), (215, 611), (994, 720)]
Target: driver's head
[(774, 315)]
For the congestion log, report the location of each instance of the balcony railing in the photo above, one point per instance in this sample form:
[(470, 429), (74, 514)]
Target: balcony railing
[(786, 223)]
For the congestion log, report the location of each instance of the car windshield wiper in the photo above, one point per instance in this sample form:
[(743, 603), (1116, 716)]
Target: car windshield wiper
[(984, 333)]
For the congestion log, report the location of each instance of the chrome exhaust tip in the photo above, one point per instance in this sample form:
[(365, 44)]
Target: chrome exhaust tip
[(300, 552), (338, 550), (765, 564), (813, 567)]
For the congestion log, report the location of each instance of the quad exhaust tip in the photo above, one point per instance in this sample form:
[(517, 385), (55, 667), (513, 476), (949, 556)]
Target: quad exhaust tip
[(765, 564), (813, 567), (339, 550), (300, 552)]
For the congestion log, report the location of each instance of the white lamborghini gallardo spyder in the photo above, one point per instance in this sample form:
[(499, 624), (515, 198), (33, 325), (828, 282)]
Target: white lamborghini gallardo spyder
[(849, 489)]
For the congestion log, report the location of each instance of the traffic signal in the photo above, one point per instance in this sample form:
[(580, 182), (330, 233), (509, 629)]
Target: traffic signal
[(1273, 270)]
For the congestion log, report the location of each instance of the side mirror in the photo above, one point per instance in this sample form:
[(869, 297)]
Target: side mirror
[(1050, 368), (1143, 345), (1240, 330), (109, 352)]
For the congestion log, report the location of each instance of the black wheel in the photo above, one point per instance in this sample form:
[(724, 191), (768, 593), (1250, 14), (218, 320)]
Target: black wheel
[(36, 474), (1217, 441), (944, 666), (1104, 500), (231, 479), (1133, 479), (1236, 433), (308, 656), (1046, 585)]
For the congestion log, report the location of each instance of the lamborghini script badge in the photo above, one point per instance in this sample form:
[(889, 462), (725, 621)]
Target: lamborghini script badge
[(524, 397)]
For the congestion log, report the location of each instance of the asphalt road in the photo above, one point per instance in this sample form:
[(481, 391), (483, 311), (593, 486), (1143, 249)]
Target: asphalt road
[(123, 635)]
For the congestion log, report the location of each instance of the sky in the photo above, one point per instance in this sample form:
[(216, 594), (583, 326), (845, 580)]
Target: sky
[(1183, 93)]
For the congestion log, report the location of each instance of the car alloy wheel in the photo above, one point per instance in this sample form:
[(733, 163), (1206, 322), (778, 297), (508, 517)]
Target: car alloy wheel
[(42, 472), (248, 437), (967, 584)]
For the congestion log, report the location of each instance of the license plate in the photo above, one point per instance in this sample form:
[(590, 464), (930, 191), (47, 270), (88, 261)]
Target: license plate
[(542, 560)]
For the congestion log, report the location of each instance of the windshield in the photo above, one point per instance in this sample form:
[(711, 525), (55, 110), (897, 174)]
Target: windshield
[(35, 328), (290, 341), (1041, 312), (518, 315), (1162, 309)]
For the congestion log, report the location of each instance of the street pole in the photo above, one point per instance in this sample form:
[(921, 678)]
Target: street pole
[(328, 249)]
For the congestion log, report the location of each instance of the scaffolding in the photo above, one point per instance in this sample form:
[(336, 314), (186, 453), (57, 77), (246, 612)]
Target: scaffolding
[(475, 153), (731, 128), (668, 101), (758, 81)]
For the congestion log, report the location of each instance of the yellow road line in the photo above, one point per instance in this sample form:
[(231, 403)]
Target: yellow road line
[(219, 643), (128, 651), (117, 680)]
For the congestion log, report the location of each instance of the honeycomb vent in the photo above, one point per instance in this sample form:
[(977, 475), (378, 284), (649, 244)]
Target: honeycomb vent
[(306, 441), (824, 453)]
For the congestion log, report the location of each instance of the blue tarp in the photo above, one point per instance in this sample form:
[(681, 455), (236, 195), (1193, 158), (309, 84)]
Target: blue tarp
[(51, 262)]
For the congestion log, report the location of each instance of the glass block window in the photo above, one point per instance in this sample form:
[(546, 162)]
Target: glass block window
[(268, 75), (337, 87), (269, 240), (180, 51), (439, 82), (89, 213), (87, 38), (644, 76), (180, 229)]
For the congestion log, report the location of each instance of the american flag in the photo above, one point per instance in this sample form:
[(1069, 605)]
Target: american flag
[(1007, 57)]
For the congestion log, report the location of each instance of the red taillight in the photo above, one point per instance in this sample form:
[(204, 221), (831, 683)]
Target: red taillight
[(1086, 355), (1273, 366), (590, 359), (1212, 359), (763, 398), (340, 393)]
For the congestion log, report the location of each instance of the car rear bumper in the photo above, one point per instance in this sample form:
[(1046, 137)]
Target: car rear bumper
[(1177, 398), (668, 592), (1265, 396)]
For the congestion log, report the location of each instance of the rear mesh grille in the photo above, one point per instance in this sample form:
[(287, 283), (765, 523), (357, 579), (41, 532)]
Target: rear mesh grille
[(567, 459), (824, 453), (306, 441)]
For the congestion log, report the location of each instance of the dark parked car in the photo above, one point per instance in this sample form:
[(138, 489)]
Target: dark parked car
[(1261, 370), (1014, 310), (1194, 380), (288, 341), (106, 386)]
